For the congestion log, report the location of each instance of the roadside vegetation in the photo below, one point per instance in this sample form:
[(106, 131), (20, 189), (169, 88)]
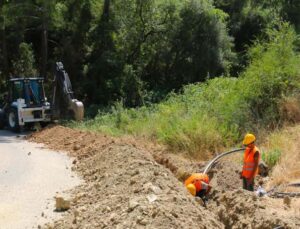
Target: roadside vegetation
[(208, 116), (195, 75), (287, 168), (272, 157)]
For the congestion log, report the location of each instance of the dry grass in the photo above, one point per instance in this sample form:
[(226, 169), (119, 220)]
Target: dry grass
[(288, 168), (290, 109)]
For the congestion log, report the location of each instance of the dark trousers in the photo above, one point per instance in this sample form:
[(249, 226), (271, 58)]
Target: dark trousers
[(249, 187), (201, 194)]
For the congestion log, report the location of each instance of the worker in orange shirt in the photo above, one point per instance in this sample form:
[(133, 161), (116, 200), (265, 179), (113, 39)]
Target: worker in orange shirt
[(251, 161), (198, 184)]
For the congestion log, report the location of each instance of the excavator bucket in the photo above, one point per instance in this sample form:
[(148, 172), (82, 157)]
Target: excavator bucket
[(64, 104), (78, 109)]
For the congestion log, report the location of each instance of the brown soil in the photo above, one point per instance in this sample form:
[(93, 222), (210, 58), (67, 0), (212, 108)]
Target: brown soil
[(243, 209), (132, 184), (126, 187)]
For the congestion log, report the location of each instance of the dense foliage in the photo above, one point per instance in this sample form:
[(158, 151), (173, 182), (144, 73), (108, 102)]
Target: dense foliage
[(134, 50), (218, 68), (210, 115)]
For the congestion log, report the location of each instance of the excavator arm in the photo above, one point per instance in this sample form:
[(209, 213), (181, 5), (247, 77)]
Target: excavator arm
[(64, 104)]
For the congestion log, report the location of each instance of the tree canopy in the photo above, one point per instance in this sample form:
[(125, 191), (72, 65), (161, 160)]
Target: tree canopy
[(136, 51)]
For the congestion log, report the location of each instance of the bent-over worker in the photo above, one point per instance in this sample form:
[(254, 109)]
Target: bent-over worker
[(251, 161), (198, 184)]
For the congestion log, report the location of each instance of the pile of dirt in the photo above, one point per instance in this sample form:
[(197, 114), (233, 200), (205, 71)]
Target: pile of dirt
[(131, 184), (243, 209), (225, 175), (81, 144), (128, 189), (125, 187)]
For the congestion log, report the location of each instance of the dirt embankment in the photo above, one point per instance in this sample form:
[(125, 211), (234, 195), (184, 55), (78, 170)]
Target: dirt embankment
[(130, 184), (125, 187)]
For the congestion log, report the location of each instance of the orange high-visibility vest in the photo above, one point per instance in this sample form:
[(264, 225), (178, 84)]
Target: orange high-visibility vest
[(249, 162), (197, 179)]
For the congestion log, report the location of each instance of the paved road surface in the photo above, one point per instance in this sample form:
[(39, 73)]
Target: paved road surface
[(30, 176)]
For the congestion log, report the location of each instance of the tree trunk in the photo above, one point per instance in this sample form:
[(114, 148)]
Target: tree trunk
[(106, 10), (4, 52), (44, 52), (44, 42), (4, 44)]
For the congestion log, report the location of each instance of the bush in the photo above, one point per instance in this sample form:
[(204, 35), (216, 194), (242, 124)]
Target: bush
[(272, 157)]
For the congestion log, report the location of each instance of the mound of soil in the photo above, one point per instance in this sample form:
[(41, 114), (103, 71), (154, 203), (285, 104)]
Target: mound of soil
[(243, 209), (126, 187), (133, 185), (225, 175)]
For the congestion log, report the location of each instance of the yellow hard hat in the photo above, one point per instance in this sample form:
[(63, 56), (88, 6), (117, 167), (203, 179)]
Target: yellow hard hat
[(248, 139), (192, 189)]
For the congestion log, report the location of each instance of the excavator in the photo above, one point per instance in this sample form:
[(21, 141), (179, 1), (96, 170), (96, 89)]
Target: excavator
[(26, 104)]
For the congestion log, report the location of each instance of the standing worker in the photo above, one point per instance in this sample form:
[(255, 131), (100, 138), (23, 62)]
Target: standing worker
[(251, 161), (198, 184)]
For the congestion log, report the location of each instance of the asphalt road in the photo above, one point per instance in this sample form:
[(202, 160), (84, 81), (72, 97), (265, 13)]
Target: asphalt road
[(30, 177)]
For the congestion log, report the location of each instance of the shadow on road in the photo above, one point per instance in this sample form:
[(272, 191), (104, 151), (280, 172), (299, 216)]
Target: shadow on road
[(9, 137)]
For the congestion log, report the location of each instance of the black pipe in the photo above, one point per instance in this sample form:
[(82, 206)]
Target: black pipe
[(211, 163)]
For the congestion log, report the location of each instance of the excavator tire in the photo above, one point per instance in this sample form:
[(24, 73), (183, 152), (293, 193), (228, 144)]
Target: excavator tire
[(2, 119), (44, 124), (13, 120), (29, 126)]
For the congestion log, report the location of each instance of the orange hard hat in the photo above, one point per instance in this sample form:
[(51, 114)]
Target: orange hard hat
[(197, 176), (192, 189)]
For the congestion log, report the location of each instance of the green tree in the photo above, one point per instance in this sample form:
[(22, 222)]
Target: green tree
[(3, 48), (11, 34), (201, 46), (248, 21), (24, 65), (103, 85), (29, 21), (132, 87), (73, 22), (143, 40), (290, 12)]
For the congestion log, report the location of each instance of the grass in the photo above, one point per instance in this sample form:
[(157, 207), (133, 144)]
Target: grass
[(206, 117), (287, 142), (272, 157)]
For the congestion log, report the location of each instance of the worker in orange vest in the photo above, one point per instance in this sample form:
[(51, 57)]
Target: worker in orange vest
[(251, 161), (198, 184)]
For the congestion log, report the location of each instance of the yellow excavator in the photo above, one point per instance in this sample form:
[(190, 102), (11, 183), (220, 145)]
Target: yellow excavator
[(25, 102)]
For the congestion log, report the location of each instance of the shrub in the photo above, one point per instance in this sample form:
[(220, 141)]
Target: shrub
[(271, 157)]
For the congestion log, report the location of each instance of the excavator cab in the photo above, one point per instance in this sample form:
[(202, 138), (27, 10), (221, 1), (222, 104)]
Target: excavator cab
[(30, 89), (25, 103)]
